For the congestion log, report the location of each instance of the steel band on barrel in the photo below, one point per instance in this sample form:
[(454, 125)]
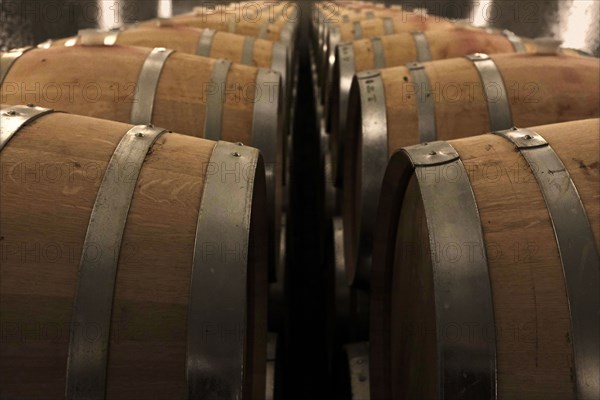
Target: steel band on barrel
[(143, 102), (8, 59), (425, 102), (12, 119), (578, 253), (422, 46), (468, 358), (215, 96), (87, 360), (495, 92), (218, 291), (205, 42)]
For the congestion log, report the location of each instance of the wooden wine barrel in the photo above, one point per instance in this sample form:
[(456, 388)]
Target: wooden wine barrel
[(203, 42), (275, 28), (192, 95), (134, 263), (486, 268), (376, 27), (448, 99), (330, 13), (399, 49)]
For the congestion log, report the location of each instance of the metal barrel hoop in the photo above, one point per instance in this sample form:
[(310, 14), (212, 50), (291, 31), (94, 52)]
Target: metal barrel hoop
[(378, 53), (388, 26), (466, 359), (215, 98), (266, 136), (422, 46), (498, 105), (8, 59), (248, 51), (578, 253), (13, 118), (87, 360), (515, 40), (425, 102), (205, 42), (357, 29), (347, 71), (147, 83), (357, 355), (218, 289), (95, 37), (374, 157)]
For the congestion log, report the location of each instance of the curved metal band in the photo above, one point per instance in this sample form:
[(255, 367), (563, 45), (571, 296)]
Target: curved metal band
[(8, 59), (231, 24), (248, 50), (95, 37), (287, 34), (422, 46), (205, 42), (388, 26), (358, 366), (453, 219), (342, 302), (369, 15), (328, 58), (266, 137), (262, 33), (373, 162), (378, 53), (218, 293), (143, 102), (425, 102), (495, 92), (515, 40), (46, 44), (12, 119), (71, 42), (357, 28), (347, 71), (279, 63), (87, 359), (215, 97), (578, 253)]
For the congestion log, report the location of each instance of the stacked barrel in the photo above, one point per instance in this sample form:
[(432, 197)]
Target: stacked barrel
[(141, 207), (145, 196), (463, 182)]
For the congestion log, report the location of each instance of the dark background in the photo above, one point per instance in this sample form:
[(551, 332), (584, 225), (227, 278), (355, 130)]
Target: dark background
[(307, 375)]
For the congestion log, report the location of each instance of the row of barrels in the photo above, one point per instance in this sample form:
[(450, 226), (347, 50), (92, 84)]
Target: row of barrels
[(143, 173), (463, 263)]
